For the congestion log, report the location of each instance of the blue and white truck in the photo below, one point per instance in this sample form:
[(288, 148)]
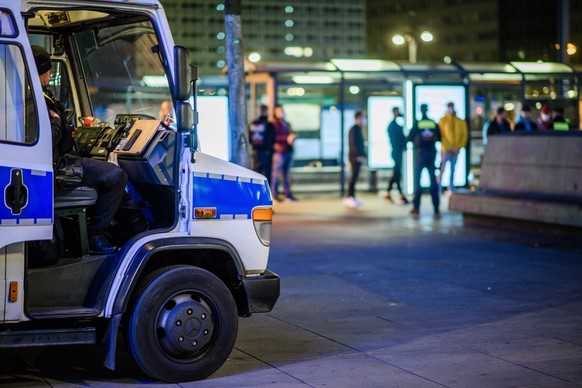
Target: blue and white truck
[(194, 231)]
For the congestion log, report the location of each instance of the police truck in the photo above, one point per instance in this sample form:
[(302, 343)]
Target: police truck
[(193, 230)]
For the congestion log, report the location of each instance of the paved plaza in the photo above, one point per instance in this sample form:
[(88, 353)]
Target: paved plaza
[(371, 297)]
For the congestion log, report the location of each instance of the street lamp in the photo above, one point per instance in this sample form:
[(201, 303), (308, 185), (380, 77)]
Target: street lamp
[(426, 36), (399, 40)]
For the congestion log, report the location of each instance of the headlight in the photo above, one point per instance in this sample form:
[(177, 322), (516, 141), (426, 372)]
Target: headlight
[(263, 221)]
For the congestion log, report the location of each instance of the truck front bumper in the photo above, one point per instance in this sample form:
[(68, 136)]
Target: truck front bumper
[(261, 292)]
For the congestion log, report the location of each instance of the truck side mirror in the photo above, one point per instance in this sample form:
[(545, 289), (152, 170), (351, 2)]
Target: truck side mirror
[(183, 79), (184, 116)]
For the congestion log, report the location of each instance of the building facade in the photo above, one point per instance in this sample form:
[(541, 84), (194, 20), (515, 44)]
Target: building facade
[(530, 27), (464, 30), (472, 30), (305, 30), (272, 30)]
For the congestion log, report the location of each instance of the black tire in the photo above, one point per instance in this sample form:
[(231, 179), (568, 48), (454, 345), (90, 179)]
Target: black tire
[(182, 325)]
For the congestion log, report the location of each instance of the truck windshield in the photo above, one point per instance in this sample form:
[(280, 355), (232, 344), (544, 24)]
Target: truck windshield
[(123, 70)]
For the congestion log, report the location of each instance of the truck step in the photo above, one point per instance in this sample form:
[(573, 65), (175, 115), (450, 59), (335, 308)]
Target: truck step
[(63, 312), (30, 338)]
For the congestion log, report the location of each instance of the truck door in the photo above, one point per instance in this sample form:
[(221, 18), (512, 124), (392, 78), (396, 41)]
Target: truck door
[(26, 176), (26, 172)]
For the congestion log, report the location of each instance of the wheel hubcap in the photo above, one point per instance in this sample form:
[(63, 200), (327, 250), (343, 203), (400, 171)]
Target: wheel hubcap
[(185, 326)]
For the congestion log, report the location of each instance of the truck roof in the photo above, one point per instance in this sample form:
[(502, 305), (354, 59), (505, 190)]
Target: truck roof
[(66, 13), (73, 3)]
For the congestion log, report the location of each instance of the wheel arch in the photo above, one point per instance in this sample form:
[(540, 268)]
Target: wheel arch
[(214, 255)]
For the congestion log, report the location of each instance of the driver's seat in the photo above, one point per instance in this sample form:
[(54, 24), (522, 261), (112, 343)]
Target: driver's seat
[(75, 203)]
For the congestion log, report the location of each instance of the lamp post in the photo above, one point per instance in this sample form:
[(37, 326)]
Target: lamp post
[(399, 40)]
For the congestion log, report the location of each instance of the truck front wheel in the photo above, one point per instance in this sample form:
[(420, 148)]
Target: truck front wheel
[(182, 325)]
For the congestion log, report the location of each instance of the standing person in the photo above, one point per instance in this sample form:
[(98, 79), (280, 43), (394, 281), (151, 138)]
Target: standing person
[(525, 122), (108, 179), (262, 139), (424, 135), (485, 129), (398, 143), (559, 122), (545, 118), (283, 155), (357, 156), (500, 124), (454, 135)]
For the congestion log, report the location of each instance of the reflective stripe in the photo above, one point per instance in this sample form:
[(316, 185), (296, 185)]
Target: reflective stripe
[(46, 95), (561, 126), (426, 124)]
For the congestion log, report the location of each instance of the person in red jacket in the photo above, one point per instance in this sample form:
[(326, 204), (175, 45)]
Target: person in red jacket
[(283, 155), (545, 118)]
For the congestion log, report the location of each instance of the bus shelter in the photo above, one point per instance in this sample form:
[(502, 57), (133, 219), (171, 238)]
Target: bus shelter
[(320, 100)]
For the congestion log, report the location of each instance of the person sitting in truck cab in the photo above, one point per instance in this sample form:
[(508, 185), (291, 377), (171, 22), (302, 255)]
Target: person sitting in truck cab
[(108, 179)]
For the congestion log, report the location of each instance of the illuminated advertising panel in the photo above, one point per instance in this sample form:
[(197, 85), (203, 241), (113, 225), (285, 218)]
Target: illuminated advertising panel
[(303, 117), (379, 116), (437, 97)]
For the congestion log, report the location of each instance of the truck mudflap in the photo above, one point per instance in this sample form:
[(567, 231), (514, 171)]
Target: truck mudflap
[(261, 292)]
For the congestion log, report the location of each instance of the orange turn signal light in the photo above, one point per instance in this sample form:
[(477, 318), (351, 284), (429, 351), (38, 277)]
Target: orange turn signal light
[(263, 214), (13, 292), (205, 212)]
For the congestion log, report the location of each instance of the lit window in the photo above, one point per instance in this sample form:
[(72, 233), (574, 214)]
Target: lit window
[(220, 64), (289, 9), (289, 37), (220, 35), (289, 23), (220, 7), (294, 51)]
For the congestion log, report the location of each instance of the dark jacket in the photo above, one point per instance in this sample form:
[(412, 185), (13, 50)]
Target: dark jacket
[(262, 134), (523, 124), (62, 133), (424, 135), (397, 138), (356, 143), (496, 128)]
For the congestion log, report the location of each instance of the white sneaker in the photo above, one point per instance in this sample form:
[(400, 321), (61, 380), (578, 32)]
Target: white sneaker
[(350, 202), (358, 201)]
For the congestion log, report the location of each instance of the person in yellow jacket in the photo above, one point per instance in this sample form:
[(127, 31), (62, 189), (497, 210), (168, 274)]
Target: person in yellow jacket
[(454, 135)]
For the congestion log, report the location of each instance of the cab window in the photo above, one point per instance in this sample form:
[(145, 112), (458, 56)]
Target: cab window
[(18, 116), (123, 70), (7, 25)]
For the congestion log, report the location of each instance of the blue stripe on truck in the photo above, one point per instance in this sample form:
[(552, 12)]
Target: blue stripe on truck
[(233, 197)]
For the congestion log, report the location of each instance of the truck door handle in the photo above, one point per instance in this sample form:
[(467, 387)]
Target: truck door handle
[(16, 193)]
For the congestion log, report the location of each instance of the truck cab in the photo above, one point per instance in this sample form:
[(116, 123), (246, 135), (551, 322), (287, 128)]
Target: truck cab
[(193, 230)]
